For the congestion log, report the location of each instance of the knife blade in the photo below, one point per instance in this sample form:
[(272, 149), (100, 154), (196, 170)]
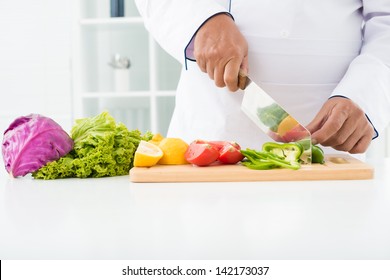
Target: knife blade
[(272, 118)]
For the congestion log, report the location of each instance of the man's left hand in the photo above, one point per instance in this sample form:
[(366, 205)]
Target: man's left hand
[(342, 125)]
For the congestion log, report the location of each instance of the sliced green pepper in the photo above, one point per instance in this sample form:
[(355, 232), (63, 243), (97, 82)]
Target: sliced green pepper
[(289, 151), (269, 159), (279, 155), (317, 155), (259, 165)]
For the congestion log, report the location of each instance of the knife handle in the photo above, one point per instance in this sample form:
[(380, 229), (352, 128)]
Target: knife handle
[(242, 80)]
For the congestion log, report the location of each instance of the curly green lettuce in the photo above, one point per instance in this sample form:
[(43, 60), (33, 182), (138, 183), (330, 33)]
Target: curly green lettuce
[(102, 148)]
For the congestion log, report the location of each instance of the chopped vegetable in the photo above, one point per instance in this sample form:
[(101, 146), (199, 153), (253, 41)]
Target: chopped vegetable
[(280, 155), (274, 155), (230, 153), (201, 153), (220, 144), (32, 141), (288, 151), (102, 148), (261, 160), (317, 155)]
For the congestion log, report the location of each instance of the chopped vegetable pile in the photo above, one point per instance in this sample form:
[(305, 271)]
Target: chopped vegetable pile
[(102, 148), (273, 155), (204, 153), (279, 155)]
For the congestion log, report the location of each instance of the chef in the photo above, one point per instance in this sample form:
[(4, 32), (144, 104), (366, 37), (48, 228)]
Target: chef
[(326, 62)]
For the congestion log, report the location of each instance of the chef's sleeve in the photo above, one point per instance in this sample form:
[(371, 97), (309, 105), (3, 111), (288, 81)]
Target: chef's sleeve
[(173, 23), (367, 80)]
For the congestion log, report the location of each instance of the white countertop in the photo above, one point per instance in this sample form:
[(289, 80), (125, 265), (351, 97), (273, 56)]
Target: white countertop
[(112, 218)]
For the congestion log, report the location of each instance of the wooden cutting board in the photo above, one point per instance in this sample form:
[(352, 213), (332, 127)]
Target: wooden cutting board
[(336, 167)]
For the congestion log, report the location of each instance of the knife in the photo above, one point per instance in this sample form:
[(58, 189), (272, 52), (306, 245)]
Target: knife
[(272, 118)]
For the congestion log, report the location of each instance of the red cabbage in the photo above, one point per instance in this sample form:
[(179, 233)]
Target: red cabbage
[(32, 141)]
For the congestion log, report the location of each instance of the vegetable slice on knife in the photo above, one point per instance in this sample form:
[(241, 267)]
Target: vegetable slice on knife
[(274, 120)]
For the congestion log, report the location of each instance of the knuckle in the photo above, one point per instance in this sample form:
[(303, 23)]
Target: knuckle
[(233, 50), (360, 114), (338, 140), (230, 80), (334, 124), (213, 53)]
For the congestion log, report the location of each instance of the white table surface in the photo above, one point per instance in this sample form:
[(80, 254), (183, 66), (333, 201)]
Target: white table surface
[(112, 218)]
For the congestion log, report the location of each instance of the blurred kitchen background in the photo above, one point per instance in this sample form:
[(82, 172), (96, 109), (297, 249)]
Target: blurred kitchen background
[(76, 58)]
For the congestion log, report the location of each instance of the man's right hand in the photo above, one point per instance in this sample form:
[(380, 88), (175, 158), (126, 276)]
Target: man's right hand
[(221, 51)]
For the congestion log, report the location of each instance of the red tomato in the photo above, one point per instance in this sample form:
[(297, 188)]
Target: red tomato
[(201, 154), (230, 153), (221, 144)]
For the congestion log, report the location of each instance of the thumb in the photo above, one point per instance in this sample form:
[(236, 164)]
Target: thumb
[(320, 118), (316, 124)]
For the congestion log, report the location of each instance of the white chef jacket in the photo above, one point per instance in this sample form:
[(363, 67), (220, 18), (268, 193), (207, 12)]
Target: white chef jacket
[(300, 52)]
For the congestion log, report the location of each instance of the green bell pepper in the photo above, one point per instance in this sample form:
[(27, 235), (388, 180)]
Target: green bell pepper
[(289, 151), (280, 155), (274, 155), (317, 155)]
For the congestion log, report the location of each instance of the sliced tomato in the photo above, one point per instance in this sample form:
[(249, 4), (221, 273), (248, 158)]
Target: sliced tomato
[(201, 154), (230, 153), (199, 141), (221, 144), (217, 144)]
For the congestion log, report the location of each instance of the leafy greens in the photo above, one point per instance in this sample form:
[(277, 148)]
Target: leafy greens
[(102, 148)]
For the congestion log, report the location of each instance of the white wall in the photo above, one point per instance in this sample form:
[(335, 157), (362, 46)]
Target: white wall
[(35, 51)]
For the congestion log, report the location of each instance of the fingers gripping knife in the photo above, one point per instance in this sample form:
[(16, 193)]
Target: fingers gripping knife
[(272, 118)]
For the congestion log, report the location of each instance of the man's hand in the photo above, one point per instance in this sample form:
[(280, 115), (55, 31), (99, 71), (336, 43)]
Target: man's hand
[(342, 125), (220, 51)]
